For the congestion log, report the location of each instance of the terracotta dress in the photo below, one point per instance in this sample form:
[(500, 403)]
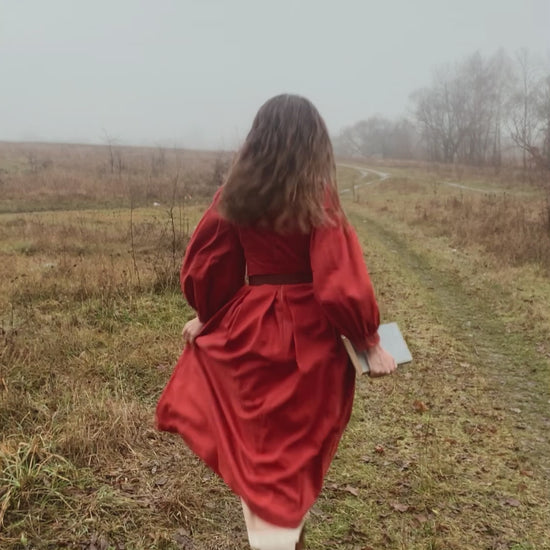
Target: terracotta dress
[(266, 391)]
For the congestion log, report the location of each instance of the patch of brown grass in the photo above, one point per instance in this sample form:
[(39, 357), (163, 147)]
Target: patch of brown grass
[(61, 177), (90, 317), (516, 231), (452, 449), (509, 221)]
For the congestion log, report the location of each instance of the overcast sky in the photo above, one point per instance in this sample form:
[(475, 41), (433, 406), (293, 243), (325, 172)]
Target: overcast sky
[(193, 72)]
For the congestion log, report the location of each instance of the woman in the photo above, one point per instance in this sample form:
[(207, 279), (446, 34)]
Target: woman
[(276, 276)]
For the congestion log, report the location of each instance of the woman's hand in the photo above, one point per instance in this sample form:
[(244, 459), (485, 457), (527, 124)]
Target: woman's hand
[(191, 330), (381, 362)]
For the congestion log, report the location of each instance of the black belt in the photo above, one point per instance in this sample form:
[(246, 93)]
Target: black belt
[(280, 279)]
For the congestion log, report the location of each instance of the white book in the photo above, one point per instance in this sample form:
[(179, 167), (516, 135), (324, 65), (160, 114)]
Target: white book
[(391, 340)]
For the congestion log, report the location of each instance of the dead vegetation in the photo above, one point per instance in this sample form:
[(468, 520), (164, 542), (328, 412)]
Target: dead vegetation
[(37, 177), (90, 317), (90, 313), (517, 232), (509, 222)]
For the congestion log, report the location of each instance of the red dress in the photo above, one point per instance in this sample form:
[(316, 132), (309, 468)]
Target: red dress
[(264, 394)]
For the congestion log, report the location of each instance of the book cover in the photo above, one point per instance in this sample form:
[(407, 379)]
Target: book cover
[(391, 340)]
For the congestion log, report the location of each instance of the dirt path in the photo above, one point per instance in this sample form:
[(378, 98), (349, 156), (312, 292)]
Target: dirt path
[(508, 358), (484, 383), (365, 173), (381, 176), (479, 384)]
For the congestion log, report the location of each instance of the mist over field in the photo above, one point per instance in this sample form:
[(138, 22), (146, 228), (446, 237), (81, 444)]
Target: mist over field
[(193, 74)]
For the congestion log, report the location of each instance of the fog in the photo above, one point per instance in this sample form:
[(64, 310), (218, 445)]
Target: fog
[(192, 73)]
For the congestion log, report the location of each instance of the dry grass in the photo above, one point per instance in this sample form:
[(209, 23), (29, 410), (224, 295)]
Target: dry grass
[(504, 177), (36, 177), (90, 318), (90, 315), (517, 232), (510, 223), (462, 431)]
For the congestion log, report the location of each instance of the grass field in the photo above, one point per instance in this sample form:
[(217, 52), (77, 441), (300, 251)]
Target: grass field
[(450, 453)]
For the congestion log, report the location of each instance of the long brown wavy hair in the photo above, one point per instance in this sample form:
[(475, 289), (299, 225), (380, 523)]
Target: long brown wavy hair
[(284, 176)]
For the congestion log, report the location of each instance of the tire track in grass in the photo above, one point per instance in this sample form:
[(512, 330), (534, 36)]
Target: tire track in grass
[(365, 173), (507, 358)]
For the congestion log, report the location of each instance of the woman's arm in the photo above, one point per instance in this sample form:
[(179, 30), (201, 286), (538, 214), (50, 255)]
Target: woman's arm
[(214, 266), (342, 284)]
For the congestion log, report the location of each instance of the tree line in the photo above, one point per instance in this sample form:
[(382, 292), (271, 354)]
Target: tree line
[(480, 111)]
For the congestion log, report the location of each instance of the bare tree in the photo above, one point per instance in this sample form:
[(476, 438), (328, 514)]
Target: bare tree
[(464, 114), (460, 115), (476, 75), (544, 115), (403, 139), (524, 121), (378, 137), (502, 77), (442, 114)]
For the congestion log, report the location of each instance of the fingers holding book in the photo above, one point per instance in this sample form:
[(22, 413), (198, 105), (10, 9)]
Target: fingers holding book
[(383, 358), (381, 363)]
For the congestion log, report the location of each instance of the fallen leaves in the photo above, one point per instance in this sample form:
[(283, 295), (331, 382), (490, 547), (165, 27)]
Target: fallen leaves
[(399, 507), (352, 490), (421, 518), (420, 406)]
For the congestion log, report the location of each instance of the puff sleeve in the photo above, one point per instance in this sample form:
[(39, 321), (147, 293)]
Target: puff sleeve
[(214, 266), (342, 285)]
